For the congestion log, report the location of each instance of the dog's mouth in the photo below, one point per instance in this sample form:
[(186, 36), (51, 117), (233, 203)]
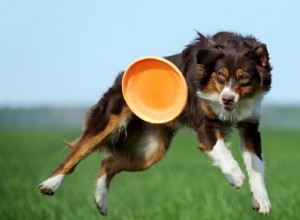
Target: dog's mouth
[(228, 108)]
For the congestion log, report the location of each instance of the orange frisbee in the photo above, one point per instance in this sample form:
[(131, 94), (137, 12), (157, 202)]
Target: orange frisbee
[(154, 89)]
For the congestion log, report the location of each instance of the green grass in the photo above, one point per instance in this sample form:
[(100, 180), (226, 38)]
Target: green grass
[(182, 186)]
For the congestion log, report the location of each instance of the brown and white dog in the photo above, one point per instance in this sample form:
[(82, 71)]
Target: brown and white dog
[(227, 76)]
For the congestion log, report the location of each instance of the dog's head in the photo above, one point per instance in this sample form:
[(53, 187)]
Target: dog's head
[(229, 74)]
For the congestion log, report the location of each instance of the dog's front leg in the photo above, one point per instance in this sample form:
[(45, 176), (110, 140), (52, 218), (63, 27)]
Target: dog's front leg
[(213, 145), (252, 154)]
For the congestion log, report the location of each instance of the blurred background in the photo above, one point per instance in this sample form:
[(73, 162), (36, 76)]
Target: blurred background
[(61, 55), (58, 57)]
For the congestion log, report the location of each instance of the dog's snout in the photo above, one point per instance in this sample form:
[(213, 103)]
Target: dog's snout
[(228, 99)]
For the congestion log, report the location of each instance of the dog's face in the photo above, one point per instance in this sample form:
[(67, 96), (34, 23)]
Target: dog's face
[(229, 76)]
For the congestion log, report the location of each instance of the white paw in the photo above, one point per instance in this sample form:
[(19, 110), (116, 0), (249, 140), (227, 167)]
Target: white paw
[(222, 157), (49, 186), (102, 204), (235, 176), (261, 203), (101, 195)]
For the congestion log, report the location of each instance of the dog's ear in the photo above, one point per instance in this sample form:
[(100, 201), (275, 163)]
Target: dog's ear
[(205, 58), (261, 57)]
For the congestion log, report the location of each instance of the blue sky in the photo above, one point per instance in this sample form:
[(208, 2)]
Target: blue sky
[(69, 52)]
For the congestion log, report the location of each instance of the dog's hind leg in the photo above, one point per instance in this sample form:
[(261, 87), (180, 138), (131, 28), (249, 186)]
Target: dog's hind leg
[(149, 149), (110, 167), (84, 146), (252, 154)]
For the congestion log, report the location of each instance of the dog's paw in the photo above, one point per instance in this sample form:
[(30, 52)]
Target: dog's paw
[(46, 190), (261, 203), (235, 176), (102, 204), (49, 186), (101, 195)]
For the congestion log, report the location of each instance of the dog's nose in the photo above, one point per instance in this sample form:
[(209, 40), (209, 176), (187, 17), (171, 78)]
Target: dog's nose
[(228, 99)]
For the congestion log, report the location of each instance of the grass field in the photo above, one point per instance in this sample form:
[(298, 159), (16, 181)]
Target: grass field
[(182, 186)]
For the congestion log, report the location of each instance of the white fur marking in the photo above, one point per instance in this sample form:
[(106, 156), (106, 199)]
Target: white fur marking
[(52, 182), (148, 144), (245, 109), (212, 97), (227, 90), (101, 195), (223, 158), (255, 169)]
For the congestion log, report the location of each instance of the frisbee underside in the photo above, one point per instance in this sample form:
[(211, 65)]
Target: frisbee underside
[(154, 90)]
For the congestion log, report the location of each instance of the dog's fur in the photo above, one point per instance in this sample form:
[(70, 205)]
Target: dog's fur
[(227, 76)]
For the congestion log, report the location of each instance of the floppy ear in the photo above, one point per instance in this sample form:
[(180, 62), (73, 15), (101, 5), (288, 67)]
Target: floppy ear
[(261, 57), (205, 58)]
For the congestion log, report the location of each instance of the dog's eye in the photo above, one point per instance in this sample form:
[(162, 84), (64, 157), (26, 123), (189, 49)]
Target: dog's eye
[(244, 79), (221, 77)]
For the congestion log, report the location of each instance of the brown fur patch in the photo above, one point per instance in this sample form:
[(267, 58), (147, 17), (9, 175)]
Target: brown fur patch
[(212, 85), (219, 87), (218, 134), (207, 110), (225, 72), (246, 91), (239, 73), (200, 69), (88, 143)]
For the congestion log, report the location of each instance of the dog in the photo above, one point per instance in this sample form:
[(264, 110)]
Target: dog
[(227, 75)]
